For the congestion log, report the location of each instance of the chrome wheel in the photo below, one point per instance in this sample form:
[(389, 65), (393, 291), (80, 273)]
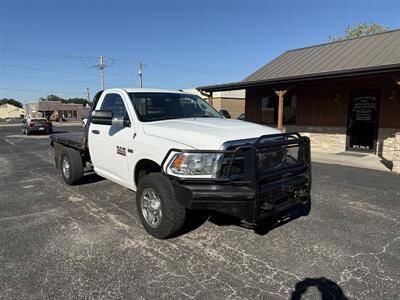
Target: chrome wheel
[(66, 167), (151, 207)]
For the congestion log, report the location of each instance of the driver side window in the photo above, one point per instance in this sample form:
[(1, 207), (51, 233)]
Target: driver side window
[(115, 103)]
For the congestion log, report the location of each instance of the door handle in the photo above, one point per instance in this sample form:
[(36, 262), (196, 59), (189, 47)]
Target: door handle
[(95, 131)]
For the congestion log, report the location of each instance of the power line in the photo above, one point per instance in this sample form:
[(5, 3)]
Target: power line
[(175, 67), (36, 91), (88, 60), (23, 52), (56, 79), (49, 78), (56, 71)]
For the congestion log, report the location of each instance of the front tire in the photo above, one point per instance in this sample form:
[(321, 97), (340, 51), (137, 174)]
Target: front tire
[(71, 166), (159, 212)]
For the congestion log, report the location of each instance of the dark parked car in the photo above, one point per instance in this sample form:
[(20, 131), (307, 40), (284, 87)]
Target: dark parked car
[(241, 117), (36, 125), (13, 120), (225, 113)]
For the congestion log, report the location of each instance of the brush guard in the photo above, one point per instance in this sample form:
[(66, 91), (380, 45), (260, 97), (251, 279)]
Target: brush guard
[(255, 180)]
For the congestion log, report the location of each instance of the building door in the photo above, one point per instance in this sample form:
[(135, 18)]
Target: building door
[(363, 120)]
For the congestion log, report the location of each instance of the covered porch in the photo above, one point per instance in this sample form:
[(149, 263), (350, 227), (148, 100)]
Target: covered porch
[(359, 112)]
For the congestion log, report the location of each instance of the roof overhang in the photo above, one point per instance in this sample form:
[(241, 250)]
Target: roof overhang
[(301, 78)]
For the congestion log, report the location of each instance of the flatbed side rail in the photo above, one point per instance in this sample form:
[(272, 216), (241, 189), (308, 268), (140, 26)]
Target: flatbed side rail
[(67, 142)]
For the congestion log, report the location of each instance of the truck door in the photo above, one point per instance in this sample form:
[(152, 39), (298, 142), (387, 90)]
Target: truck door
[(109, 144)]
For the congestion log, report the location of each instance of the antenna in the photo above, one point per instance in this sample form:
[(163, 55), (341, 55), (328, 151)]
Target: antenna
[(141, 74)]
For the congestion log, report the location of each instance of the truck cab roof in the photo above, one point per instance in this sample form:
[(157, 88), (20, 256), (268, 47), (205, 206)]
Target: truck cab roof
[(145, 90)]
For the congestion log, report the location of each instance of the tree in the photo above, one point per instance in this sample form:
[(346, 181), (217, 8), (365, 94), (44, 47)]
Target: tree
[(76, 100), (359, 30), (11, 101), (51, 98)]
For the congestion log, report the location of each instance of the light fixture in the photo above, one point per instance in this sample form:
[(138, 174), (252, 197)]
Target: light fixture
[(393, 95), (337, 98)]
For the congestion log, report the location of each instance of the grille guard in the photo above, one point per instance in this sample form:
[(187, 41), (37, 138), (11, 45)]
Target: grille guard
[(269, 142), (266, 186)]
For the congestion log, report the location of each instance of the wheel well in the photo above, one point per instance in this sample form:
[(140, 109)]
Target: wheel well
[(144, 167)]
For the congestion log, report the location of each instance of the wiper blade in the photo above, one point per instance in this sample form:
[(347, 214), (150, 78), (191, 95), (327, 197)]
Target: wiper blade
[(163, 118)]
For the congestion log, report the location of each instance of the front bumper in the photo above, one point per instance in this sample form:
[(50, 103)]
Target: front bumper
[(242, 201), (256, 180)]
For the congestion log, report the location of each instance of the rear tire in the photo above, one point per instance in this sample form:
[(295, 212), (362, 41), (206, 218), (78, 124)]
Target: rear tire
[(71, 166), (172, 218)]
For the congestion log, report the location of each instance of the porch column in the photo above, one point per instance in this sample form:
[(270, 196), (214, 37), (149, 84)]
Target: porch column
[(281, 94)]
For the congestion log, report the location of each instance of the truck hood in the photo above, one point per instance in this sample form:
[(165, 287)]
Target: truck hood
[(205, 133)]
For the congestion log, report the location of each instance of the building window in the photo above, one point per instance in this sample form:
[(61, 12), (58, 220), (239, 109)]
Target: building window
[(269, 109), (75, 114), (289, 109)]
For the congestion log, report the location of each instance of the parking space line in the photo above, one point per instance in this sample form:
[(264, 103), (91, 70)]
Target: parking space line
[(30, 215), (8, 141)]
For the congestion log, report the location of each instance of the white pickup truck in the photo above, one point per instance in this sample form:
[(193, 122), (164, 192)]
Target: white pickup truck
[(178, 154)]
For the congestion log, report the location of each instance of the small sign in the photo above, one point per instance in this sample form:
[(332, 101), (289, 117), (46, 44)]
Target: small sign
[(121, 150), (364, 108)]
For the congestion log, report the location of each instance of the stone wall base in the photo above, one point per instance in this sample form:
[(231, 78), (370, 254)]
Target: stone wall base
[(333, 140), (323, 139), (389, 147)]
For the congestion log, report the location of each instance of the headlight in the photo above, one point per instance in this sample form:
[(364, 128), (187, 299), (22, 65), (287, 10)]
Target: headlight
[(192, 164)]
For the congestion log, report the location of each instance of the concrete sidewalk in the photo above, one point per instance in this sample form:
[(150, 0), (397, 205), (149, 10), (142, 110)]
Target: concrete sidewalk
[(352, 159)]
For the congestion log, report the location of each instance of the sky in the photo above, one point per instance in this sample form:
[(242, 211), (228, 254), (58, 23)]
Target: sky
[(52, 47)]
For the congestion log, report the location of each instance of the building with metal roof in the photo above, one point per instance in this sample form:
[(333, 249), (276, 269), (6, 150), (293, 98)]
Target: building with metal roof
[(345, 94), (369, 54)]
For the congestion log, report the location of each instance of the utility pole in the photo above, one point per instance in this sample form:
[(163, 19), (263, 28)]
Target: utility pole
[(101, 67), (141, 74), (87, 94)]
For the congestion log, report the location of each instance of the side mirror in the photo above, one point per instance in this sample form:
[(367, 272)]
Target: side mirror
[(121, 122), (225, 113), (102, 117)]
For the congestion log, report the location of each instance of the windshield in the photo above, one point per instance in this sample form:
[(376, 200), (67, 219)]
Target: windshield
[(165, 106)]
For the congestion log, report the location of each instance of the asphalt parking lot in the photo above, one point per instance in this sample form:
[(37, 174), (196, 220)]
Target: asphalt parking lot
[(86, 241)]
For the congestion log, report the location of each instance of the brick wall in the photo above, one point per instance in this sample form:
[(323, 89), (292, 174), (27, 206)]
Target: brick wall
[(234, 106)]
